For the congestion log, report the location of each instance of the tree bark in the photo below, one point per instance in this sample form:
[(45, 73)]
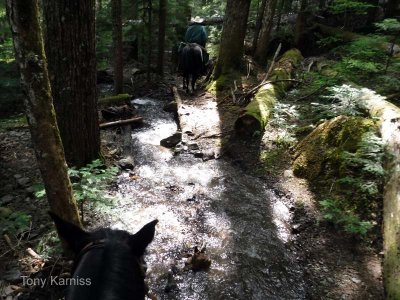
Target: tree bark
[(150, 38), (162, 19), (260, 18), (256, 114), (232, 38), (300, 23), (71, 53), (260, 53), (392, 8), (28, 46), (116, 7)]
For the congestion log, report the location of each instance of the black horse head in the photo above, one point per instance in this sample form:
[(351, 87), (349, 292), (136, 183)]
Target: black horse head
[(108, 263)]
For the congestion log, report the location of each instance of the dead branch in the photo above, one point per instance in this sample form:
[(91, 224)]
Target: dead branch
[(136, 120)]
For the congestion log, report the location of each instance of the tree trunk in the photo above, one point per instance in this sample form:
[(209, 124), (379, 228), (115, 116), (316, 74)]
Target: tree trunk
[(71, 53), (162, 18), (28, 46), (258, 25), (117, 46), (260, 53), (300, 23), (392, 8), (232, 38), (256, 114), (150, 38)]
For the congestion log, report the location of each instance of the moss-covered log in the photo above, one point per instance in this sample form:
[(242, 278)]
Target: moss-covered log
[(114, 100), (322, 150), (389, 116), (257, 113)]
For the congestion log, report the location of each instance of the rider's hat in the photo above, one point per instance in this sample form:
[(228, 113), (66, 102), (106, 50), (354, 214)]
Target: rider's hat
[(197, 19)]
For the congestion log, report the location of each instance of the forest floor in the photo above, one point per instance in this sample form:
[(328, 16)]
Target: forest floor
[(333, 265)]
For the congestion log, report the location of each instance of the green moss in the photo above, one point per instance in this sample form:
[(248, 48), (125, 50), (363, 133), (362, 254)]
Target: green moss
[(261, 106), (271, 159), (113, 100), (224, 83), (325, 145), (13, 122)]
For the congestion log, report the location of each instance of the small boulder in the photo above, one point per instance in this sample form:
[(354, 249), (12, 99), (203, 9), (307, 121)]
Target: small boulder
[(126, 163), (171, 141)]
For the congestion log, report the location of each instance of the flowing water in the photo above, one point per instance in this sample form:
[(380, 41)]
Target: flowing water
[(241, 220)]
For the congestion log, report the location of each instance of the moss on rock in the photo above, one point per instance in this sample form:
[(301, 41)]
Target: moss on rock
[(321, 151)]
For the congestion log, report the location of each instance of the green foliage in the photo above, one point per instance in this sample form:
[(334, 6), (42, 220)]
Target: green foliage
[(49, 245), (363, 58), (13, 122), (14, 222), (332, 211), (341, 100), (346, 6), (89, 183), (389, 25), (359, 186), (329, 42)]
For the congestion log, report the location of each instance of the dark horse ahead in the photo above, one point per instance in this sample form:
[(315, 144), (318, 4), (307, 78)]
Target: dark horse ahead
[(108, 263), (192, 64)]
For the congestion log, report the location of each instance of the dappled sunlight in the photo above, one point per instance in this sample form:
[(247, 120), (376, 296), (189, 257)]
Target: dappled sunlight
[(242, 223)]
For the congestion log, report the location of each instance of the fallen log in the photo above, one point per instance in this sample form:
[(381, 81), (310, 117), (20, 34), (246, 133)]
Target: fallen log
[(181, 112), (136, 120), (389, 121), (257, 113), (114, 100)]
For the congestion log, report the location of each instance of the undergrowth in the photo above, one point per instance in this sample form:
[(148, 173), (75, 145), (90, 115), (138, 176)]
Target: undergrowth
[(89, 184)]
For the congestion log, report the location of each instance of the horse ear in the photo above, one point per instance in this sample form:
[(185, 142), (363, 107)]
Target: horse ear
[(141, 239), (72, 235)]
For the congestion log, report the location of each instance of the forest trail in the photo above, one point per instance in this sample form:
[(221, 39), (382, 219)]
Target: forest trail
[(241, 219)]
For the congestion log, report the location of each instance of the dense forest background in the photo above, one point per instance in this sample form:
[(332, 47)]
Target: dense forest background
[(288, 76)]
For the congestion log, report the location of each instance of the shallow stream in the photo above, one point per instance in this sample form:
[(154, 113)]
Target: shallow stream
[(242, 221)]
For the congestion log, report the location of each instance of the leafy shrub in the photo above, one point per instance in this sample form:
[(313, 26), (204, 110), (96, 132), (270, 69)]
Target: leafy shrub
[(351, 223), (14, 222), (360, 186), (89, 183)]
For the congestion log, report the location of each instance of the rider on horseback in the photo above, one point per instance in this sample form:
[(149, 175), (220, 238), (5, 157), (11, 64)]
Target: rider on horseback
[(196, 33)]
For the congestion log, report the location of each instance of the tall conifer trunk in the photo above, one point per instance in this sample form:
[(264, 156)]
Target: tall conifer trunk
[(162, 17), (28, 45), (263, 40), (233, 34), (116, 7), (71, 54)]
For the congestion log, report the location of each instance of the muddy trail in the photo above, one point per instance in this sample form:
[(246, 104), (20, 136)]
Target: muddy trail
[(238, 218)]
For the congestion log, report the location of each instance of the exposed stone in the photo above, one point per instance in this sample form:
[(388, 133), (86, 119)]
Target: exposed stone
[(171, 107), (126, 163), (13, 276), (171, 283), (171, 141), (23, 181), (6, 199)]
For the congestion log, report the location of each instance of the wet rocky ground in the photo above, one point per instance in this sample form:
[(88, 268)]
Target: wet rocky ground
[(231, 226)]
